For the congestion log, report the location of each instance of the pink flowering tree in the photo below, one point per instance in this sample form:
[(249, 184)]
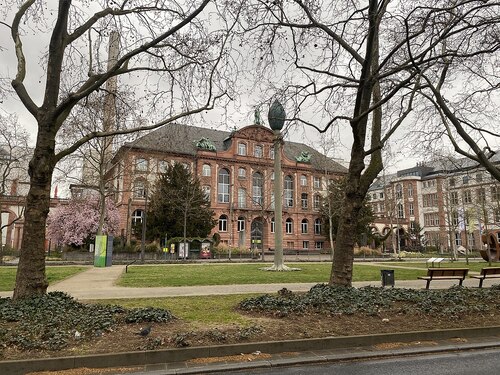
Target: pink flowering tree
[(76, 222)]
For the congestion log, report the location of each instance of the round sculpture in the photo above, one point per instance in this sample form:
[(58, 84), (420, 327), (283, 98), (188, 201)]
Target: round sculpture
[(276, 116)]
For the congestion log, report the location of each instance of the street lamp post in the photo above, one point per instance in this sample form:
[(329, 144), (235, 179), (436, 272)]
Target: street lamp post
[(276, 119), (143, 239)]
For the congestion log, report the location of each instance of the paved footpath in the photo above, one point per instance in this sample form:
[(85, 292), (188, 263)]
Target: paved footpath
[(100, 283)]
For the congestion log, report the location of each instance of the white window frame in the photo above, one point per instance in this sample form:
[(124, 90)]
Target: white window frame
[(206, 170)]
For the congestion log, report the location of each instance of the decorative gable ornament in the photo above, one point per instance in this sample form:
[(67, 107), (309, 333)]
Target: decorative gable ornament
[(205, 144), (304, 157)]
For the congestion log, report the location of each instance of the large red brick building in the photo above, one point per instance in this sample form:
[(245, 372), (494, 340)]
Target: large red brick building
[(236, 172)]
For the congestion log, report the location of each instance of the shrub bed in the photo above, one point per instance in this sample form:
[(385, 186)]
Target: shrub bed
[(51, 321), (332, 300)]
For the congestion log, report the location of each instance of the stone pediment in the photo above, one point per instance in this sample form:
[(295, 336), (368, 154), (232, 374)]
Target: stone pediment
[(256, 133)]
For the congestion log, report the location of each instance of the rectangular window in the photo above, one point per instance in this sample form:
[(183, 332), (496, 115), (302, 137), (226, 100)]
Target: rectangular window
[(481, 195), (162, 166), (305, 245), (471, 240), (242, 172), (141, 165), (242, 198), (290, 245), (467, 196), (317, 182), (258, 151), (454, 198), (495, 193), (465, 180), (458, 239), (242, 149), (316, 202), (410, 209), (303, 180), (318, 245), (303, 200)]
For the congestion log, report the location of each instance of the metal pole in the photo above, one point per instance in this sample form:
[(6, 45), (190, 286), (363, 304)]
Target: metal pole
[(278, 201), (143, 240)]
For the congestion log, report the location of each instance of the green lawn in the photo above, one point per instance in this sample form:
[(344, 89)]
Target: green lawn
[(54, 274), (200, 309), (227, 274)]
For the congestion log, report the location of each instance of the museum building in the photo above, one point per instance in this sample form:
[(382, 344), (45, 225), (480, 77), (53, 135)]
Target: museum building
[(235, 170)]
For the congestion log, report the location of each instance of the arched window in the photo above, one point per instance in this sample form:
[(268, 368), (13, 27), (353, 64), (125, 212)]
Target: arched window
[(241, 224), (206, 170), (223, 186), (223, 223), (257, 184), (304, 226), (288, 191), (317, 226), (399, 191), (137, 217), (273, 228), (139, 188), (289, 226)]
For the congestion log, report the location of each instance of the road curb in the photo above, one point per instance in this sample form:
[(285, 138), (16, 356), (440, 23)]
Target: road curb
[(165, 356)]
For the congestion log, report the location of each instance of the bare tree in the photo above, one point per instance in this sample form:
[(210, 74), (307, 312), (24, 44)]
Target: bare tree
[(14, 156), (169, 49), (359, 66)]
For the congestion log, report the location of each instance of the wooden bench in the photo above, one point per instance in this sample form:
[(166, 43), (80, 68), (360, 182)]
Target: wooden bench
[(445, 274), (487, 273)]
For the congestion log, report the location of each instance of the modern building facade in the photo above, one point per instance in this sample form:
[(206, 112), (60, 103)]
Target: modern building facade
[(236, 172), (450, 202)]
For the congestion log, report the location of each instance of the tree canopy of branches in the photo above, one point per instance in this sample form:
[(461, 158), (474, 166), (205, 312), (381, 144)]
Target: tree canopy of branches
[(360, 66), (178, 206), (76, 223), (175, 51), (331, 208)]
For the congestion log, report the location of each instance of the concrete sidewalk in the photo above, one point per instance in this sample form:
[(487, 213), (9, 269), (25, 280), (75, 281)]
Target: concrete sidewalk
[(99, 283)]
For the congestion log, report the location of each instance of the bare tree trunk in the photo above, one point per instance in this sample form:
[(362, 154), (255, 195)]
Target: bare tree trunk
[(31, 279)]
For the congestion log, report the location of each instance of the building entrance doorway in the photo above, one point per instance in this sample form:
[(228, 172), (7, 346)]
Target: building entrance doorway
[(256, 234)]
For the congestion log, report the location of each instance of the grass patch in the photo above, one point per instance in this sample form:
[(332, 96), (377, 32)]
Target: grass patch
[(54, 274), (228, 274), (200, 310)]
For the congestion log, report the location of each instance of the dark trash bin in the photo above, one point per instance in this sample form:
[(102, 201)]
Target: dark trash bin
[(387, 277)]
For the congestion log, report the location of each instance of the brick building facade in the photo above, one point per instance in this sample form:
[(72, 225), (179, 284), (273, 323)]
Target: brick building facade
[(453, 201), (235, 170)]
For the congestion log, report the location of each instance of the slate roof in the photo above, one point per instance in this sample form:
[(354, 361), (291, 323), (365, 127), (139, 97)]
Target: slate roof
[(177, 138)]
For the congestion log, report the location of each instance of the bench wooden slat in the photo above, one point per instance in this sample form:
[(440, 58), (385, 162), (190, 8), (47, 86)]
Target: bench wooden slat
[(487, 273), (445, 274)]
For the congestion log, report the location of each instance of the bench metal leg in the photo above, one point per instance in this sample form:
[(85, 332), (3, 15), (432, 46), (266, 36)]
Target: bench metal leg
[(428, 283), (481, 283), (461, 281)]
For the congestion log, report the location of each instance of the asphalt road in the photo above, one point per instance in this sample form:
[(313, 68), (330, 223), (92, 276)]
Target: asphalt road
[(485, 362)]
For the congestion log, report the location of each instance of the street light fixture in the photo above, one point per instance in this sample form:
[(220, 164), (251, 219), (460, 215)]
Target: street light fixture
[(276, 117)]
